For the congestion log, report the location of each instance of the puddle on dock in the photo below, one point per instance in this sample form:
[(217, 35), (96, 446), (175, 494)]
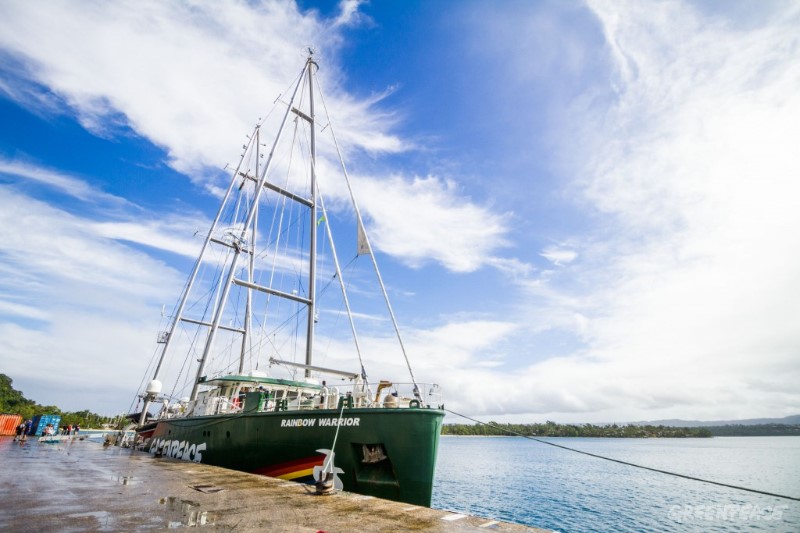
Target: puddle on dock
[(185, 513)]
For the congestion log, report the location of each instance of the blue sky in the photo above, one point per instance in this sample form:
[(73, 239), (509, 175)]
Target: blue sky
[(586, 210)]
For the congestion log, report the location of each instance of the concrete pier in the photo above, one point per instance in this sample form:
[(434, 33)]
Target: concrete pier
[(80, 486)]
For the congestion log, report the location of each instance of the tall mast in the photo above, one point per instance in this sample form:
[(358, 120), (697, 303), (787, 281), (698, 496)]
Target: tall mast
[(248, 313), (310, 64), (190, 282), (238, 248)]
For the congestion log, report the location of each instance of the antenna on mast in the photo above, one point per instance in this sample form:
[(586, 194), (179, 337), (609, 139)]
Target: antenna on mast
[(310, 51)]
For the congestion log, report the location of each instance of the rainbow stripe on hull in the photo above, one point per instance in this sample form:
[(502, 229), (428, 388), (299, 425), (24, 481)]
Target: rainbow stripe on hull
[(293, 470)]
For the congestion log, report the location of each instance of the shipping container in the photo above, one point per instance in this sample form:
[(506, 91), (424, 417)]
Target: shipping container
[(41, 421), (9, 423)]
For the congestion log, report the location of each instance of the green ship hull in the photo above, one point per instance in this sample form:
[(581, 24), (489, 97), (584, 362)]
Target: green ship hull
[(383, 452)]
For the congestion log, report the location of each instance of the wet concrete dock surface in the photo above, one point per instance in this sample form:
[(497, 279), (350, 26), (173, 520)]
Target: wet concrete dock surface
[(80, 486)]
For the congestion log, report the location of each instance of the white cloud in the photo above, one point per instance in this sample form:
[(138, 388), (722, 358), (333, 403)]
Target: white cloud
[(190, 77), (426, 219), (462, 344), (689, 282), (67, 184), (559, 256), (350, 15), (54, 245), (24, 311), (170, 235), (74, 299)]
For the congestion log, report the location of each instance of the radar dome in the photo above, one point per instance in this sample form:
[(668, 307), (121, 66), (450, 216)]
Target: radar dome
[(154, 387)]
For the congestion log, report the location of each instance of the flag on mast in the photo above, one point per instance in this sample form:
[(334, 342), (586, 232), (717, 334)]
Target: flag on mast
[(363, 243)]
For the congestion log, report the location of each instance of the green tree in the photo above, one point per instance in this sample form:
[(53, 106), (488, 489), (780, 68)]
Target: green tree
[(14, 402)]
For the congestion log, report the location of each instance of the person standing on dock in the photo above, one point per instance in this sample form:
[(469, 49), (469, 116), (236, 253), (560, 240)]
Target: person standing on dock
[(19, 431), (77, 429), (27, 429)]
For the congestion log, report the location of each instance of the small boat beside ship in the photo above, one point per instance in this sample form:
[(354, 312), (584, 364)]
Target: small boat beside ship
[(248, 394)]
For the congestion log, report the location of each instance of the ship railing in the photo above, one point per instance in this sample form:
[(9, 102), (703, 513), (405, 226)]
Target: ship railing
[(428, 395), (210, 405), (381, 394), (223, 405)]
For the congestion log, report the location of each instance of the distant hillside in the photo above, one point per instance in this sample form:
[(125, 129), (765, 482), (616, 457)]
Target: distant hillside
[(787, 420)]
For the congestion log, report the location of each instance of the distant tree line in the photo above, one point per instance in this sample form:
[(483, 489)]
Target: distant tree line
[(14, 402), (552, 429)]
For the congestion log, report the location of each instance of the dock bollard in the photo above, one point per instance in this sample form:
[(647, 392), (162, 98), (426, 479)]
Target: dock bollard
[(325, 485)]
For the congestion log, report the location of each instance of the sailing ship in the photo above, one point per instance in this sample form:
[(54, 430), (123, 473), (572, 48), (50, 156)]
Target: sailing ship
[(250, 310)]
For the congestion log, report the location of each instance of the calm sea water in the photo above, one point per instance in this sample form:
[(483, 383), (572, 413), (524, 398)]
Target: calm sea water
[(524, 481)]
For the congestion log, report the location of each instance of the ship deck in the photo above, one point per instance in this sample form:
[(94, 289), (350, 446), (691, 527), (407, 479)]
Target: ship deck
[(78, 485)]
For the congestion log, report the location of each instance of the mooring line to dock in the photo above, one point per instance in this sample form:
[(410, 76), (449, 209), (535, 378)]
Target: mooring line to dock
[(684, 476)]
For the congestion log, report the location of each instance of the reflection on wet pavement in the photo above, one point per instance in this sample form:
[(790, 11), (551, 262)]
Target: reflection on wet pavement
[(185, 513)]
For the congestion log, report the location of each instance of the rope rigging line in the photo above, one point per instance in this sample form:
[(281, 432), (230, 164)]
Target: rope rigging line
[(360, 222), (684, 476), (216, 276)]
